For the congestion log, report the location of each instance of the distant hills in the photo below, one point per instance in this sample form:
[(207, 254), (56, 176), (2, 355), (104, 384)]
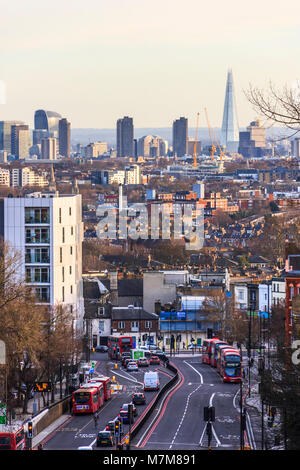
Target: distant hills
[(85, 136)]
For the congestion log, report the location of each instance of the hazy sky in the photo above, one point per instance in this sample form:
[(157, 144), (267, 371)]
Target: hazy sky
[(94, 61)]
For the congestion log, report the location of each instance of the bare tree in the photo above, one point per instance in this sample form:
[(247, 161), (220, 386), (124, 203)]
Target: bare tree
[(278, 106)]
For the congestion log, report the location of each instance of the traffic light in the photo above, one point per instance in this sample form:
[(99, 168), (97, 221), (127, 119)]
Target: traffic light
[(117, 427), (30, 430), (130, 410)]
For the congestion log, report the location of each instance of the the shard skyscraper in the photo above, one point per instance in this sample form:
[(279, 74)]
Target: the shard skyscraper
[(230, 127)]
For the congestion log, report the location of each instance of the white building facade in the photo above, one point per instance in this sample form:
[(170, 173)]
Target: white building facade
[(47, 231)]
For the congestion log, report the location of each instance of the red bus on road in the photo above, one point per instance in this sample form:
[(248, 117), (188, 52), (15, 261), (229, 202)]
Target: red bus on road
[(220, 349), (214, 351), (12, 438), (86, 400), (206, 350), (117, 345), (106, 382), (99, 386), (230, 369)]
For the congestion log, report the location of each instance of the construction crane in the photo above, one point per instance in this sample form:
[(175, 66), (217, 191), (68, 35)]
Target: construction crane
[(212, 139), (195, 144)]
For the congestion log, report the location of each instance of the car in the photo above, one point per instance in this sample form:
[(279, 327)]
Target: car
[(125, 359), (151, 381), (193, 346), (104, 438), (132, 365), (138, 398), (143, 362), (101, 348), (154, 360), (125, 408), (125, 362)]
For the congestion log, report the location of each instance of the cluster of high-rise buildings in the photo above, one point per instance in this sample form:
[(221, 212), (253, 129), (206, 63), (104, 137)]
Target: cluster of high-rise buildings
[(50, 137)]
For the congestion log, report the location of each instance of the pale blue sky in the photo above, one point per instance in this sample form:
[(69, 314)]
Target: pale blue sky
[(94, 61)]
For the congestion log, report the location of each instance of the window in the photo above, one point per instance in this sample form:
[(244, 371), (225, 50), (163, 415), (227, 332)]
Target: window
[(72, 230), (60, 254), (101, 311), (63, 274), (37, 215), (63, 293), (121, 325), (148, 324), (241, 295), (71, 250), (70, 269), (63, 234), (134, 325), (59, 215), (70, 210), (71, 289)]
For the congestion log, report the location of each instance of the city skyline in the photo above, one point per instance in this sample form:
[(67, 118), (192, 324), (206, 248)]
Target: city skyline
[(101, 61)]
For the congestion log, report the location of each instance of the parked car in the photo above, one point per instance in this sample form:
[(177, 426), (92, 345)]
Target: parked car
[(101, 348), (138, 398), (154, 360), (132, 365), (105, 438)]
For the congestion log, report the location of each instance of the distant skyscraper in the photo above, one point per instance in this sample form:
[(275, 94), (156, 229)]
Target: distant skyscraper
[(253, 140), (20, 141), (47, 120), (125, 141), (230, 127), (5, 134), (48, 149), (180, 136), (64, 135)]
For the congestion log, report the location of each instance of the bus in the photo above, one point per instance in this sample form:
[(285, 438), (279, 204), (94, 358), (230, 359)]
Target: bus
[(12, 437), (117, 345), (99, 386), (220, 349), (106, 383), (206, 350), (214, 351), (230, 369), (85, 400)]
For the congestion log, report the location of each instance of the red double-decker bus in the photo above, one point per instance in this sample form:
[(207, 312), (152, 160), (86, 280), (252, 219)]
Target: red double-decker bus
[(220, 349), (99, 387), (86, 400), (214, 351), (230, 365), (206, 349), (106, 382), (117, 345), (12, 438)]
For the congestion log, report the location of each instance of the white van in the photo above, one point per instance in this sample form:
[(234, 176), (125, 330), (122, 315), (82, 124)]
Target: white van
[(151, 381)]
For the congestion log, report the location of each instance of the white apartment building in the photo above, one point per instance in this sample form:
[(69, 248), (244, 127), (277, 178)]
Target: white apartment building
[(47, 230), (133, 174), (4, 177), (26, 177)]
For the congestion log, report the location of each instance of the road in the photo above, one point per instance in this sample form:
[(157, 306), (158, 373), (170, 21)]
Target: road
[(180, 424), (177, 420), (80, 430)]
